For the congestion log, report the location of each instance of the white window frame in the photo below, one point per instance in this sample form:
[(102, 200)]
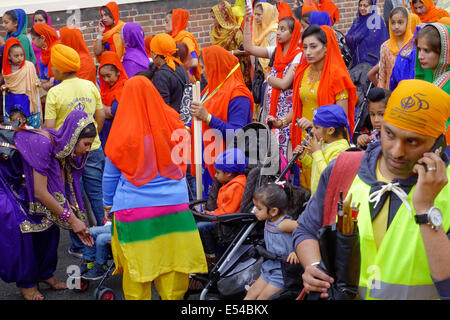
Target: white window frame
[(30, 6)]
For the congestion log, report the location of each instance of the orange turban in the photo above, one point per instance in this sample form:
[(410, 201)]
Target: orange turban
[(418, 106), (65, 59), (445, 20), (163, 44)]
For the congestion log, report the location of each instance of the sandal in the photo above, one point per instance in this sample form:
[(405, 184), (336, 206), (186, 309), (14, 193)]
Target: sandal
[(31, 293)]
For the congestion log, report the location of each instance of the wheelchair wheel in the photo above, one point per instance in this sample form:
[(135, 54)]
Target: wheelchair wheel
[(104, 294)]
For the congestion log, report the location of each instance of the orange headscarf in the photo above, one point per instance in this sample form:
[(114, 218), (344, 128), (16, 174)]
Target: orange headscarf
[(180, 19), (71, 36), (392, 42), (284, 10), (218, 63), (331, 8), (164, 45), (445, 20), (433, 14), (281, 62), (51, 38), (109, 94), (140, 143), (6, 65), (306, 9), (415, 21), (111, 34), (334, 80), (147, 41)]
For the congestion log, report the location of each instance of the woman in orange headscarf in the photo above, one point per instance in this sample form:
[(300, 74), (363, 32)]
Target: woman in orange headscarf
[(147, 41), (286, 56), (227, 103), (284, 10), (112, 80), (109, 27), (427, 11), (155, 239), (45, 37), (322, 80), (176, 24), (71, 36), (227, 33), (400, 34)]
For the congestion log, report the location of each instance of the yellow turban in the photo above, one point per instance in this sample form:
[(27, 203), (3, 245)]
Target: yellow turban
[(445, 20), (64, 58), (418, 106), (163, 44)]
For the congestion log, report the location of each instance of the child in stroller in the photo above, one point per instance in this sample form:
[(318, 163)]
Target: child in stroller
[(271, 205), (230, 166)]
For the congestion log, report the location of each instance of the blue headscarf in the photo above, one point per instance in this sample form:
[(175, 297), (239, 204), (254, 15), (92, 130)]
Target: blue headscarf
[(22, 24), (366, 35), (231, 160), (332, 115), (320, 18)]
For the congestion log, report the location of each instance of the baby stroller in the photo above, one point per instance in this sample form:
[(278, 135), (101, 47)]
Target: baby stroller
[(358, 74), (345, 50), (239, 266)]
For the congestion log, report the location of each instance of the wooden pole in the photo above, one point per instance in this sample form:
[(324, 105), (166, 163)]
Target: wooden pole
[(198, 144)]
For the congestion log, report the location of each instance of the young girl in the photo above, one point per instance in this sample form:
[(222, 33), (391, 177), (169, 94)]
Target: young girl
[(286, 56), (378, 98), (330, 132), (271, 205), (40, 16), (400, 33), (21, 83), (15, 24), (112, 80)]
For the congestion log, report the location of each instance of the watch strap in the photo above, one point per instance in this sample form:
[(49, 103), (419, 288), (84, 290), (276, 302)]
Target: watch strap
[(421, 218)]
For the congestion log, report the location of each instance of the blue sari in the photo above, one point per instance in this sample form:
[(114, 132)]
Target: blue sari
[(366, 35)]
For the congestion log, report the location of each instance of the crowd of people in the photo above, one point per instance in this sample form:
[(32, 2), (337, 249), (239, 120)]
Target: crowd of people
[(94, 132)]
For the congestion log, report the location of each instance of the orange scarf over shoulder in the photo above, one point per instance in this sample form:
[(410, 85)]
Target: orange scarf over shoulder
[(140, 143), (180, 19), (334, 80), (281, 62), (71, 36), (433, 14), (109, 94), (331, 8), (218, 64), (111, 35), (51, 38)]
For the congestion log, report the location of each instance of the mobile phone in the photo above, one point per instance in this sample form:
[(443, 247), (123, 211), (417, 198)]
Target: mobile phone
[(440, 144), (249, 4)]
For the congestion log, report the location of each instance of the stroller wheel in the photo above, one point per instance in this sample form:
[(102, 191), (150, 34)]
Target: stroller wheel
[(84, 285), (105, 294)]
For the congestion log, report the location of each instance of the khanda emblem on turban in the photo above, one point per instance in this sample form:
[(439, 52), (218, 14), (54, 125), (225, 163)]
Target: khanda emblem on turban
[(414, 103)]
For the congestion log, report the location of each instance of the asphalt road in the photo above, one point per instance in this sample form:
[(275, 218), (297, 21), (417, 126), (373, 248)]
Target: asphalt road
[(9, 291)]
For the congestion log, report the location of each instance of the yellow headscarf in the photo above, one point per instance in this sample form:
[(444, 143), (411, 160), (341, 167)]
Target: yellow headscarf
[(65, 59), (164, 45), (392, 42), (418, 106), (269, 24), (415, 20), (226, 34)]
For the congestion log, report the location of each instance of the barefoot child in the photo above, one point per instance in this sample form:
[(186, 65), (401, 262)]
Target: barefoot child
[(271, 205)]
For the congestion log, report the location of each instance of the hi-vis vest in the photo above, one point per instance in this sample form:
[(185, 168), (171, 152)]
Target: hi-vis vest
[(398, 269)]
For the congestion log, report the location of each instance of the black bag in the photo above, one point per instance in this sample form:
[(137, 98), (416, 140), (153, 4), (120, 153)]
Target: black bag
[(341, 260), (7, 143), (257, 83), (186, 100)]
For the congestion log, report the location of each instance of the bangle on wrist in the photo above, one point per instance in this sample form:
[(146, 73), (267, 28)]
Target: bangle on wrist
[(99, 37), (65, 215), (283, 122), (232, 52), (107, 208), (208, 119), (315, 264)]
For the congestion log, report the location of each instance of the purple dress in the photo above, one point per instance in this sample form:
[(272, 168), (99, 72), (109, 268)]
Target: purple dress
[(135, 58), (29, 233)]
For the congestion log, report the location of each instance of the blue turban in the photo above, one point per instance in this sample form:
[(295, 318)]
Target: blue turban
[(332, 115), (232, 160), (320, 18)]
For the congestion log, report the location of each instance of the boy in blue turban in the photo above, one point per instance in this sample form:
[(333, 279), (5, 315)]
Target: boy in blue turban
[(331, 134)]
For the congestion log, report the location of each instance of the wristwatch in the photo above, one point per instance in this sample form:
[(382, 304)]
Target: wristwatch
[(432, 216)]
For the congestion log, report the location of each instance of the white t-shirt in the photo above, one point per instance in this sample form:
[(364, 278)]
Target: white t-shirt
[(271, 52)]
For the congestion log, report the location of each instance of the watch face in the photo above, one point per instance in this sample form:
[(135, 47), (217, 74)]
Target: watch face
[(435, 216)]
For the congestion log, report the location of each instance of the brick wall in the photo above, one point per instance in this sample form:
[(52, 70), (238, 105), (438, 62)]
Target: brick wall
[(151, 16)]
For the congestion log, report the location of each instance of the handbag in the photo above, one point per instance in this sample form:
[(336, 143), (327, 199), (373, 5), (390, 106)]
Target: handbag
[(257, 83)]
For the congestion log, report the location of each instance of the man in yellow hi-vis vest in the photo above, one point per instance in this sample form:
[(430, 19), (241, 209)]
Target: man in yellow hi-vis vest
[(404, 216)]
